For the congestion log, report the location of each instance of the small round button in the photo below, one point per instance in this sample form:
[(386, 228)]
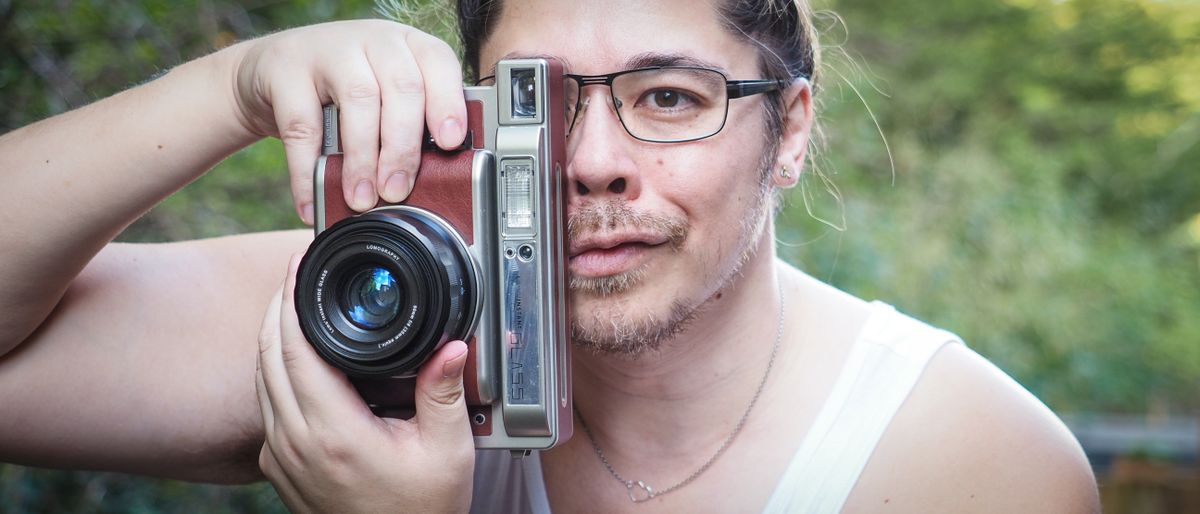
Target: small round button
[(525, 252)]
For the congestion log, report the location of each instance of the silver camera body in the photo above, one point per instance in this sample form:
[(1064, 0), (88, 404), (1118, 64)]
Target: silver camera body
[(477, 252)]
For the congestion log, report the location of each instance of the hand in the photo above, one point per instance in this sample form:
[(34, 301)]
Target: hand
[(389, 82), (326, 452)]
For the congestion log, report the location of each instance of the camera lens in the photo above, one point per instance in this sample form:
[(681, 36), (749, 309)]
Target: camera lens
[(374, 298), (378, 293), (524, 93)]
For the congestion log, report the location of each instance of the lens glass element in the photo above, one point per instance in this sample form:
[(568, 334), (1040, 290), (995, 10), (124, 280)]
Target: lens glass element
[(524, 93), (374, 298)]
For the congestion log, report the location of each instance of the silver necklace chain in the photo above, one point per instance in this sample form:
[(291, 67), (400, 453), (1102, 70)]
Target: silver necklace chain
[(638, 490)]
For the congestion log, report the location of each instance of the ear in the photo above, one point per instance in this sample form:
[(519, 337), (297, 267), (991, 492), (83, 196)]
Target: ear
[(797, 124)]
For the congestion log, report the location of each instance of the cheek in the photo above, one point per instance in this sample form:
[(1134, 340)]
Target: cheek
[(710, 181)]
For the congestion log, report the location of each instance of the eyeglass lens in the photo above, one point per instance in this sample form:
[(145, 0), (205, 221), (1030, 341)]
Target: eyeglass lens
[(665, 104)]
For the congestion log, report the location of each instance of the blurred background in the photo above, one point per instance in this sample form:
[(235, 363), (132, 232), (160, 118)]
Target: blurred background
[(1021, 172)]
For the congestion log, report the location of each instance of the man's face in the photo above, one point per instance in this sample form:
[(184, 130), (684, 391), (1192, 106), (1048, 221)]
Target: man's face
[(656, 229)]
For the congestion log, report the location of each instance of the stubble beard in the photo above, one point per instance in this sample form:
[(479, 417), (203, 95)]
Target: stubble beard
[(614, 331)]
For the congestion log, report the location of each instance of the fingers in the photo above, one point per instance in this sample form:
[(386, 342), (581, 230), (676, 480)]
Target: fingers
[(264, 402), (441, 408), (276, 399), (406, 81), (445, 108), (357, 93), (389, 81), (421, 85), (280, 480), (323, 394), (299, 120), (402, 122)]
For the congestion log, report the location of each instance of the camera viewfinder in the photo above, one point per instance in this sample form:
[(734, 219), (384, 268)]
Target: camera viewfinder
[(524, 93)]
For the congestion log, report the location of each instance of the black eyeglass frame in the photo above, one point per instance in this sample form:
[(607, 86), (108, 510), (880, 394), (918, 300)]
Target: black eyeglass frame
[(733, 89)]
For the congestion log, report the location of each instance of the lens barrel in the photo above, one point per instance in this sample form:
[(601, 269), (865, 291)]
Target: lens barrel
[(377, 294)]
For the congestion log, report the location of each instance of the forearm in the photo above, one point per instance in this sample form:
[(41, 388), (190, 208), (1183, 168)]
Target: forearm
[(147, 364), (73, 182)]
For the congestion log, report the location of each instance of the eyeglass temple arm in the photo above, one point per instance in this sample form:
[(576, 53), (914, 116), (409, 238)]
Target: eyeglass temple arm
[(740, 88)]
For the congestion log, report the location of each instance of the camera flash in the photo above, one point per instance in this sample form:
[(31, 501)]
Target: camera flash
[(518, 195)]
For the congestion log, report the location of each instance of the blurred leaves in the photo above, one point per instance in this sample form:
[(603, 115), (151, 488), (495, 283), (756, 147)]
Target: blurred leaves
[(1045, 175)]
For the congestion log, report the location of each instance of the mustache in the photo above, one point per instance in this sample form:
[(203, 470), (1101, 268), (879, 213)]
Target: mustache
[(613, 215)]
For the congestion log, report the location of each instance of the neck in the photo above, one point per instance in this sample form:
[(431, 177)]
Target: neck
[(691, 393)]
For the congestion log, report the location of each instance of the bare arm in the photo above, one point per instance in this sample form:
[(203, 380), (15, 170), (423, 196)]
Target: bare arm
[(145, 361), (147, 365), (72, 182)]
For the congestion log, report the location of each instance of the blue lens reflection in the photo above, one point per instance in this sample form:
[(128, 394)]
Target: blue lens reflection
[(374, 298)]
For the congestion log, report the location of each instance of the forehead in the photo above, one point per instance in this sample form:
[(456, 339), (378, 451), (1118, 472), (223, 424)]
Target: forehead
[(593, 37)]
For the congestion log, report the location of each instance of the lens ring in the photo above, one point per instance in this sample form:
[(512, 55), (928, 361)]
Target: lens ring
[(436, 286)]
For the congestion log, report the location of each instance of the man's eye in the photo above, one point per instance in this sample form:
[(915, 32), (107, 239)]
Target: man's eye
[(666, 98)]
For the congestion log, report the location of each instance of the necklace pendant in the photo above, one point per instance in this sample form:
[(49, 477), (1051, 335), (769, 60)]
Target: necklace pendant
[(638, 491)]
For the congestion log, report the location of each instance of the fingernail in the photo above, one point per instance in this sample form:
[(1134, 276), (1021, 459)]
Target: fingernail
[(453, 368), (364, 196), (306, 213), (295, 263), (396, 187), (450, 133)]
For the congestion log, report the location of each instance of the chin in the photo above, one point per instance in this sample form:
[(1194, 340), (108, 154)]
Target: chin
[(627, 314)]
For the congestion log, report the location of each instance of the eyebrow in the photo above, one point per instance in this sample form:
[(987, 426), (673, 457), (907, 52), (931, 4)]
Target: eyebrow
[(642, 60), (649, 59)]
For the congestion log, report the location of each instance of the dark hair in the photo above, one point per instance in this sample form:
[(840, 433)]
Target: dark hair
[(782, 30)]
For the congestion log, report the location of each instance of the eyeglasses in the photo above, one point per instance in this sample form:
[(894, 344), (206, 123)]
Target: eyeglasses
[(666, 104)]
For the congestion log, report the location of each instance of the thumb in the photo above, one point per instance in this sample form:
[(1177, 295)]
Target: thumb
[(441, 407)]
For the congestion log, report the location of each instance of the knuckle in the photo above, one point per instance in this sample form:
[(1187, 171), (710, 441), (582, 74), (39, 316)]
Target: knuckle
[(407, 85), (407, 153), (448, 398), (264, 461), (433, 45), (284, 450), (291, 354), (267, 337), (362, 91), (334, 451), (423, 41), (298, 131)]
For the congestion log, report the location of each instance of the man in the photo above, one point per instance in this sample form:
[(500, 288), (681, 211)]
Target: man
[(712, 377)]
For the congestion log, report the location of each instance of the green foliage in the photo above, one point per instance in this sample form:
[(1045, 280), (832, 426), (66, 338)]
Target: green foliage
[(44, 491), (1044, 181), (1044, 201)]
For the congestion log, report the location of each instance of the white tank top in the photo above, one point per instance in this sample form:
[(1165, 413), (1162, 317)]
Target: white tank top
[(881, 369)]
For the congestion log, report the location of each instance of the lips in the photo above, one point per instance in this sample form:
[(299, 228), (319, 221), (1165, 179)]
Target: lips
[(608, 254), (608, 241)]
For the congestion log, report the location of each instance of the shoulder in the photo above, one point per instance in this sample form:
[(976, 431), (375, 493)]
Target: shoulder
[(969, 438)]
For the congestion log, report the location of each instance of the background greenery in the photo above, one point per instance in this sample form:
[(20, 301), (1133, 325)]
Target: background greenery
[(1022, 172)]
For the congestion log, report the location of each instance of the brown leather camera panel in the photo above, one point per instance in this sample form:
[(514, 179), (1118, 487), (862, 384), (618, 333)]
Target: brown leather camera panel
[(443, 184)]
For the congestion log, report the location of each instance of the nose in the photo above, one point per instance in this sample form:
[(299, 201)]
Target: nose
[(599, 162)]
